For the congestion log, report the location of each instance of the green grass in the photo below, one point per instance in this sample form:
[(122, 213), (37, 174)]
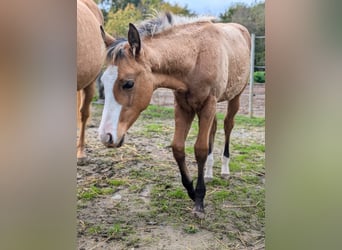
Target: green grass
[(242, 120), (93, 192), (178, 193), (154, 111), (115, 229), (154, 128), (95, 229), (221, 195), (116, 182), (191, 229)]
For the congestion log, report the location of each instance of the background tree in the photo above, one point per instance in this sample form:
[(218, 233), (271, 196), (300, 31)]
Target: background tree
[(117, 22), (253, 17), (118, 13)]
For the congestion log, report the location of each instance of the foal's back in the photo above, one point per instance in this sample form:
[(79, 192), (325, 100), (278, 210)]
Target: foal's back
[(238, 48)]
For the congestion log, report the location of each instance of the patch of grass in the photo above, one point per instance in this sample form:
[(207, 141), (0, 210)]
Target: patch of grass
[(115, 229), (116, 182), (96, 229), (93, 192), (87, 195), (168, 199), (218, 182), (250, 122), (220, 195), (189, 150), (246, 149), (251, 179), (154, 128), (119, 230), (141, 174), (190, 229), (136, 188), (177, 193), (154, 111), (242, 120), (95, 97)]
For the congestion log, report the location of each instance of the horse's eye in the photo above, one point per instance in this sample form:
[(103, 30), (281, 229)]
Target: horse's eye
[(128, 84)]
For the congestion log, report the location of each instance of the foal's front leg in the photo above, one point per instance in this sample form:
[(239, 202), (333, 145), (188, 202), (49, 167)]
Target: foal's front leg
[(183, 120), (206, 117)]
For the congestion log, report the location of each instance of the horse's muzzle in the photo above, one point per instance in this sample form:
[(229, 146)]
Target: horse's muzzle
[(107, 140)]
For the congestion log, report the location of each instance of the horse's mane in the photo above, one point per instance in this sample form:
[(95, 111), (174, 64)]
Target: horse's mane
[(167, 20), (164, 21)]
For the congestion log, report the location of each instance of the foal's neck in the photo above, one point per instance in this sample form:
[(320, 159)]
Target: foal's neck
[(170, 64), (170, 82)]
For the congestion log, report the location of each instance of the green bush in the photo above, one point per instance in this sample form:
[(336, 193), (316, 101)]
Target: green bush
[(259, 76)]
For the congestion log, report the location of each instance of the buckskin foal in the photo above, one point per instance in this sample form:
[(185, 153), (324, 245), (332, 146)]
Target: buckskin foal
[(203, 62)]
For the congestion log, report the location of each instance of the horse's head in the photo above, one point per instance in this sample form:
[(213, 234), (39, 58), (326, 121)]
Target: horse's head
[(128, 87)]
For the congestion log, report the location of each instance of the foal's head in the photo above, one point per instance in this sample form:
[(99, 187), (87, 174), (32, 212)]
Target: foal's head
[(128, 88)]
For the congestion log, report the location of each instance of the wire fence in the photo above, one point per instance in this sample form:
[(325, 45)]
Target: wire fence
[(252, 68)]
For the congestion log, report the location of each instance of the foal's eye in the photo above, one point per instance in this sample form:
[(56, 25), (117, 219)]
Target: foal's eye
[(128, 84)]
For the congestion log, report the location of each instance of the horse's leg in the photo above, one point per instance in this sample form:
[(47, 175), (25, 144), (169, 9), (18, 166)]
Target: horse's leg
[(208, 176), (87, 96), (183, 120), (206, 117), (233, 107)]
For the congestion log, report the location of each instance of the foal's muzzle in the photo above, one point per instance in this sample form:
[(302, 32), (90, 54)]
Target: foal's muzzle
[(107, 140)]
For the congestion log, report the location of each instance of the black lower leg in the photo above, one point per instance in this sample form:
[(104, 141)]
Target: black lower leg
[(189, 187), (226, 150), (200, 194)]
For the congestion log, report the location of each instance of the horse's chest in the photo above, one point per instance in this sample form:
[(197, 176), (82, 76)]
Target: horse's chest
[(191, 101)]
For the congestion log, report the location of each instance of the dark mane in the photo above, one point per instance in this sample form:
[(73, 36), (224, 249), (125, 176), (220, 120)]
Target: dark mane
[(115, 50)]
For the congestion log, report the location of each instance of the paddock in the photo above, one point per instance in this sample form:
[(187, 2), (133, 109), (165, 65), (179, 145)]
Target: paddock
[(131, 197)]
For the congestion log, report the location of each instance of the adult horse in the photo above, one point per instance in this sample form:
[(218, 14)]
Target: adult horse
[(203, 62), (91, 52)]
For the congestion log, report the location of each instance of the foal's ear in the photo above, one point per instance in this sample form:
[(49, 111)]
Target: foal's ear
[(108, 39), (134, 40)]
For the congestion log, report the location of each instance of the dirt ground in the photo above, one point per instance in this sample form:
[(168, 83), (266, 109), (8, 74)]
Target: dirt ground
[(132, 197)]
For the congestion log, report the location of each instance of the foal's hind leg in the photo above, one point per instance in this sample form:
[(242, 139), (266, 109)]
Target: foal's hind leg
[(233, 107), (183, 120), (87, 96), (208, 175), (205, 119)]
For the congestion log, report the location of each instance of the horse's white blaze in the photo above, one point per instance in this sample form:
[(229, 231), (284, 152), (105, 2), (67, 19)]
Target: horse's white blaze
[(112, 109), (225, 166), (208, 175)]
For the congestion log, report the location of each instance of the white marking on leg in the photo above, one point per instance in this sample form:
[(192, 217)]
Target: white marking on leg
[(208, 175), (225, 167), (112, 109)]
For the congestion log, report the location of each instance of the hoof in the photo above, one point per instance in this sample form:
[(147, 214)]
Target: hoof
[(208, 179), (82, 161), (225, 176), (198, 214)]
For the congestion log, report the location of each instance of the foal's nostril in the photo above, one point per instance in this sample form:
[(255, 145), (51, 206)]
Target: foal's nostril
[(109, 138), (121, 141)]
